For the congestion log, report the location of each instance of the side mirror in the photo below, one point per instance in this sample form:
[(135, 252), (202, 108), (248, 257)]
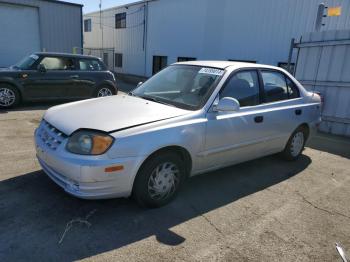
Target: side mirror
[(41, 68), (140, 83), (227, 104)]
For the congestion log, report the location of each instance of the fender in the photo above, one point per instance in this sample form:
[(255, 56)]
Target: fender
[(13, 82), (108, 83)]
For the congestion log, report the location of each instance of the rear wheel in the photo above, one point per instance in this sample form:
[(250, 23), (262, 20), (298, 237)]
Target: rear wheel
[(9, 96), (295, 145), (158, 180), (105, 91)]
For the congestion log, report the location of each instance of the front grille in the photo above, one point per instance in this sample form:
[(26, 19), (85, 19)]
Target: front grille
[(51, 136)]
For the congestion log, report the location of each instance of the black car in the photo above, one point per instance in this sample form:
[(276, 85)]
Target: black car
[(55, 76)]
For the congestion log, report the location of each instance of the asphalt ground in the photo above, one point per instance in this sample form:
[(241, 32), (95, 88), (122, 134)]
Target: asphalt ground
[(262, 210)]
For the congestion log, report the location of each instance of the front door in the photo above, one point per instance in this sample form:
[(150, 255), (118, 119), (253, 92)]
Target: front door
[(233, 137), (54, 77)]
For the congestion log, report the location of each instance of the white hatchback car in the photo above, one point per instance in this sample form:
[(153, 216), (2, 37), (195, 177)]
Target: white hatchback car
[(188, 119)]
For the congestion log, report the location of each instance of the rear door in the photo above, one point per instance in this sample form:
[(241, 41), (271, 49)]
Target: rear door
[(90, 72), (283, 108), (53, 82)]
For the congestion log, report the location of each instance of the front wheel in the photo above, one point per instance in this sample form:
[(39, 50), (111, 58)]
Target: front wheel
[(104, 91), (159, 179), (295, 145)]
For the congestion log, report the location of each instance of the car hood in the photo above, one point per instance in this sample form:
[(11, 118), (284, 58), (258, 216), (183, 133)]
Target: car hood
[(109, 114)]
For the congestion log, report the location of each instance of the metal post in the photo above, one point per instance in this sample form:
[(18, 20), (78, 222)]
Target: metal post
[(319, 18), (292, 44), (101, 26)]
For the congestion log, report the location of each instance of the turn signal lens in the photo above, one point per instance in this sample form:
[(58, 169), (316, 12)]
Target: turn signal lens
[(100, 144), (114, 168)]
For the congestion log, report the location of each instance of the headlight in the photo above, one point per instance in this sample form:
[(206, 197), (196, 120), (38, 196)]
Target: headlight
[(86, 142)]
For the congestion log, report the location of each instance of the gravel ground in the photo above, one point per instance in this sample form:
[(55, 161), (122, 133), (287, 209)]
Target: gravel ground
[(262, 210)]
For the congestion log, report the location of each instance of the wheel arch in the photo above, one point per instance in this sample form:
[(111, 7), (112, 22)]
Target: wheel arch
[(179, 150), (106, 84), (306, 127)]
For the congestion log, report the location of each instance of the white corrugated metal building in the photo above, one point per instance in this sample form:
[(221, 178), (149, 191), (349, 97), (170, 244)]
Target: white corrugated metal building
[(29, 26), (249, 30)]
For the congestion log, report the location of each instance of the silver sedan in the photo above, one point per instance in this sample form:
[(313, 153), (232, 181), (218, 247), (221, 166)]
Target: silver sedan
[(188, 119)]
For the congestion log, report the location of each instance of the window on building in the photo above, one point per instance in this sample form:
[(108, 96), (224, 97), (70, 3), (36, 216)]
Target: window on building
[(58, 63), (120, 20), (284, 65), (244, 61), (118, 60), (90, 65), (185, 59), (87, 25), (106, 58), (159, 62), (243, 86)]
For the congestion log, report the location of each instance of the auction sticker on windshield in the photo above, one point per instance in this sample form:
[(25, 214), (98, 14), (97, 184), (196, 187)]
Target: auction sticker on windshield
[(211, 71)]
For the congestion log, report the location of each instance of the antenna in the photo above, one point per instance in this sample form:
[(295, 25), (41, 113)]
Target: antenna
[(101, 27)]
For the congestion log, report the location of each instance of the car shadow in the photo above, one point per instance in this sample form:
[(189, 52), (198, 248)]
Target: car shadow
[(332, 144), (30, 106), (40, 221)]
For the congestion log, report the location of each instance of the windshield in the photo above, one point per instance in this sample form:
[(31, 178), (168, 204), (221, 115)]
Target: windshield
[(183, 86), (26, 62)]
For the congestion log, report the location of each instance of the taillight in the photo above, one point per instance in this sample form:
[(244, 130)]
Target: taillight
[(321, 96)]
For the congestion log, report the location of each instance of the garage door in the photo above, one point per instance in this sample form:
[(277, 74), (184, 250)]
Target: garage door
[(19, 34)]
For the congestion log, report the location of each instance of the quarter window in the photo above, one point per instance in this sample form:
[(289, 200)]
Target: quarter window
[(120, 20), (58, 63), (243, 86), (90, 65), (293, 90)]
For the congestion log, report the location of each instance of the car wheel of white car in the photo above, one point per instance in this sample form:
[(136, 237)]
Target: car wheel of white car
[(159, 180), (9, 96), (295, 145)]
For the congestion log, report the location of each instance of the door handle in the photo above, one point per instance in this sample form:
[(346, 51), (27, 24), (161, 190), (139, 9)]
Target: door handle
[(298, 112), (258, 119), (74, 76)]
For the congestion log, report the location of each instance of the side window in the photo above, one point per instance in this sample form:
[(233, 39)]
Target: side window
[(293, 90), (58, 63), (244, 86), (275, 86), (89, 65)]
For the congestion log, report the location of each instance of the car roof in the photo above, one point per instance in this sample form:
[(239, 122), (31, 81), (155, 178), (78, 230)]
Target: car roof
[(66, 55), (227, 64)]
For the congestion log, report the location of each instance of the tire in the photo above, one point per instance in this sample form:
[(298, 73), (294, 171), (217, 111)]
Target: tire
[(9, 96), (104, 90), (295, 145), (148, 184)]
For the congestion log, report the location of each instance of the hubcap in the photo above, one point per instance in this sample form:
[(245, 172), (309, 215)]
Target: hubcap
[(104, 92), (297, 144), (163, 181), (7, 97)]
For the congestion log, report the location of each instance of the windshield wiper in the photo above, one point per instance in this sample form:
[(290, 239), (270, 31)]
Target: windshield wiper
[(154, 99)]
